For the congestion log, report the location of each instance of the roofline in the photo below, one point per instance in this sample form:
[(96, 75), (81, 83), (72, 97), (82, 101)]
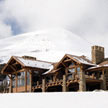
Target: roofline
[(69, 55), (34, 60), (96, 68), (12, 57)]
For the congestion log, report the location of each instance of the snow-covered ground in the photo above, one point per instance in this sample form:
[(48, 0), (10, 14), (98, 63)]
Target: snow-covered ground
[(55, 100), (48, 45)]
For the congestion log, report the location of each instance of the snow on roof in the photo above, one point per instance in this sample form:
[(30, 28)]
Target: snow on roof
[(35, 63), (98, 66), (51, 67), (82, 59), (94, 67)]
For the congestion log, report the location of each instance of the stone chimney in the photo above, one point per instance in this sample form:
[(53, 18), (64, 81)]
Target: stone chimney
[(97, 54)]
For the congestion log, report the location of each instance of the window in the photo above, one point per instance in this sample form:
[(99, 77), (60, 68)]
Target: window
[(71, 70), (28, 78), (13, 81), (21, 79), (78, 69)]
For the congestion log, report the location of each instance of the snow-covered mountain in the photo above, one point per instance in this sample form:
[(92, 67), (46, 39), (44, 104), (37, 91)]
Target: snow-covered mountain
[(49, 45)]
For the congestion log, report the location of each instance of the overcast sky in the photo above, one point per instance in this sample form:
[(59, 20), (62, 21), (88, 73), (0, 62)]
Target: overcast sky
[(86, 18)]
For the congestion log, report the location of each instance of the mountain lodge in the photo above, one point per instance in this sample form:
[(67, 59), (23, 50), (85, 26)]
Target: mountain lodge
[(71, 73)]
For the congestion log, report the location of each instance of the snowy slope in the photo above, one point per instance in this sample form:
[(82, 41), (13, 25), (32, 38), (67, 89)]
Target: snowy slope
[(49, 45), (55, 100)]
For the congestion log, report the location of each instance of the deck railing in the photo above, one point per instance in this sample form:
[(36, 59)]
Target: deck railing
[(72, 77), (93, 77), (69, 77)]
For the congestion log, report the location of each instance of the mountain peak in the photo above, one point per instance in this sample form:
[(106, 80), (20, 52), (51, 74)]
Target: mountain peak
[(48, 44)]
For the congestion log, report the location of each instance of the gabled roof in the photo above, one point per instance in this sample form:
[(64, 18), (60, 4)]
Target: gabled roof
[(80, 59), (29, 63)]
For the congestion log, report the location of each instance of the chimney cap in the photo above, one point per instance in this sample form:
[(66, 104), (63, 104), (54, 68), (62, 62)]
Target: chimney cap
[(97, 47)]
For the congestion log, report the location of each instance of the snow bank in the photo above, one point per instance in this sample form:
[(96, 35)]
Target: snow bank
[(55, 100)]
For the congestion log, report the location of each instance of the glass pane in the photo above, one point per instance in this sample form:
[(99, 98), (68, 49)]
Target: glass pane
[(71, 70), (21, 79), (78, 69), (13, 81), (28, 78)]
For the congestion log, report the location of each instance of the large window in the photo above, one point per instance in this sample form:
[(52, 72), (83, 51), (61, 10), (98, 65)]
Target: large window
[(21, 79), (71, 72), (28, 78), (13, 81)]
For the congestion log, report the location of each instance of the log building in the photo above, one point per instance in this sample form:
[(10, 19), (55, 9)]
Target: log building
[(71, 73)]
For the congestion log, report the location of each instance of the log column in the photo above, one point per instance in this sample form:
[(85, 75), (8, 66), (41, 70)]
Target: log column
[(43, 85), (103, 83), (30, 81), (82, 81), (64, 88)]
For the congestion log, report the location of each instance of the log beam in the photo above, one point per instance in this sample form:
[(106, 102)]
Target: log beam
[(67, 60), (30, 81)]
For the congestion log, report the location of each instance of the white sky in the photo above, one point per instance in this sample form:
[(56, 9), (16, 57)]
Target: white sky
[(86, 18)]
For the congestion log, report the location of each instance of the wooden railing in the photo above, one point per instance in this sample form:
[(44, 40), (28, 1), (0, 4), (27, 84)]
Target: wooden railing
[(72, 77), (92, 77), (69, 77), (54, 81)]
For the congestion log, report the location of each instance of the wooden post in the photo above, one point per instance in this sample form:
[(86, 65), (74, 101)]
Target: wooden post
[(43, 85), (64, 88), (30, 81), (25, 81), (82, 82), (103, 83), (10, 90)]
